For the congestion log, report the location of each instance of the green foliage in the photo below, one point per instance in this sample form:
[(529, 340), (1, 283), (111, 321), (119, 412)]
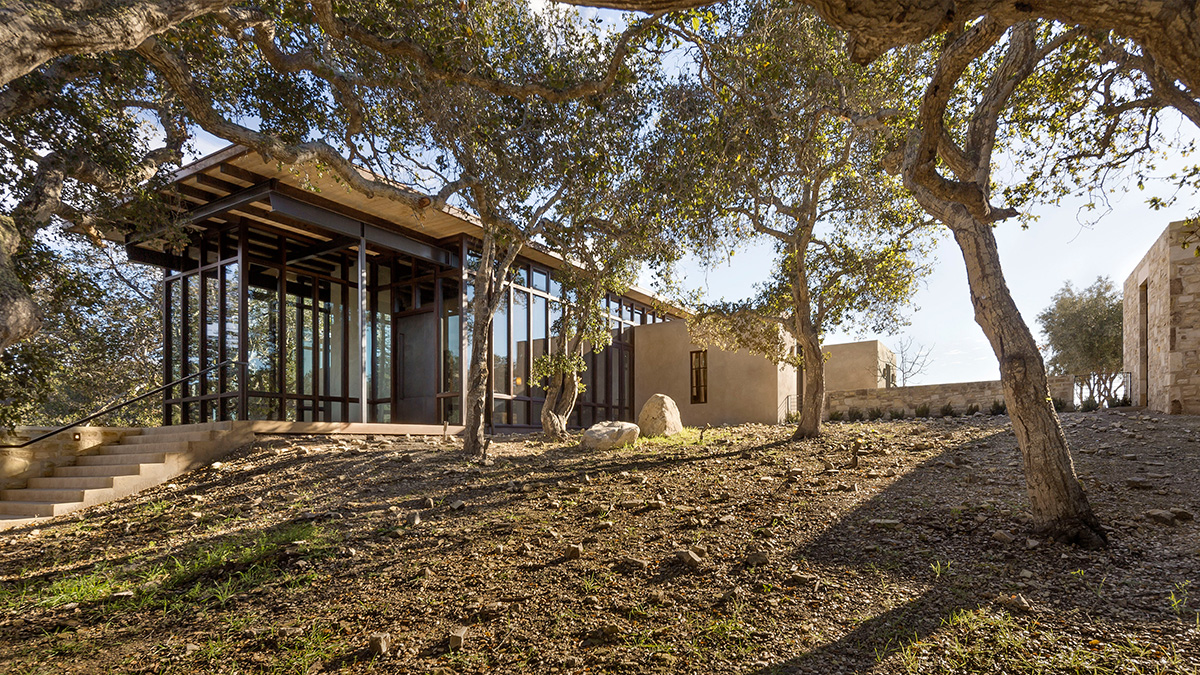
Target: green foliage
[(874, 414), (1084, 335), (836, 416), (854, 415), (972, 409), (1062, 405), (100, 342), (998, 408), (948, 411), (896, 414), (921, 410), (1089, 405), (777, 135)]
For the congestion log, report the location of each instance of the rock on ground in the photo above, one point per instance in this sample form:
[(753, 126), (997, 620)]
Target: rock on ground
[(660, 417), (609, 435)]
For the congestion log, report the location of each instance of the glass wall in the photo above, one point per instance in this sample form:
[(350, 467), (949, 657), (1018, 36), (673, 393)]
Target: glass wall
[(283, 306), (521, 333), (201, 313)]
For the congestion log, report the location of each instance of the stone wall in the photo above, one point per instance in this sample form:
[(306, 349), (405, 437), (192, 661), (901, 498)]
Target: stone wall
[(18, 465), (1162, 326), (958, 394)]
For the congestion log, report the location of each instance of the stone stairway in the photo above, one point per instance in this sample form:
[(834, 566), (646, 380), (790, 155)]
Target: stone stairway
[(139, 461)]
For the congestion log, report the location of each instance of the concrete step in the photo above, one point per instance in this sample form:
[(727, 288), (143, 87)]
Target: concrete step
[(184, 429), (140, 461), (98, 470), (129, 458), (144, 448), (44, 495), (72, 482), (170, 438), (40, 509)]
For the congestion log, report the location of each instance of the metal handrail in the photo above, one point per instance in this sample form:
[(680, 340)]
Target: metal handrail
[(118, 406)]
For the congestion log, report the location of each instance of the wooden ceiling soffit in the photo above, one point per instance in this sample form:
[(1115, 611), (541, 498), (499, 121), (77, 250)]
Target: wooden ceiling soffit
[(336, 244), (232, 201), (294, 208), (238, 173)]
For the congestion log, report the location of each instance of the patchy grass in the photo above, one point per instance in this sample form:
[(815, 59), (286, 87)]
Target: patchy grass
[(287, 558)]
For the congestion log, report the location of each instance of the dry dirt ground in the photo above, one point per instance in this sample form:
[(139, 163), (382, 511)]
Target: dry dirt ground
[(742, 553)]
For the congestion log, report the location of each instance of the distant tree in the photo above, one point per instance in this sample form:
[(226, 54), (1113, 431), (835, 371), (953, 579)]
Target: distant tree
[(912, 358), (1084, 331)]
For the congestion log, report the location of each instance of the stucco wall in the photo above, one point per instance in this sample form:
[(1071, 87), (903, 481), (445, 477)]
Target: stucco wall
[(1162, 331), (856, 365), (742, 387), (18, 465), (958, 394)]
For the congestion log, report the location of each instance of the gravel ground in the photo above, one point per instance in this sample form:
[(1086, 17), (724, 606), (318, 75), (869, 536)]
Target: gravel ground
[(883, 547)]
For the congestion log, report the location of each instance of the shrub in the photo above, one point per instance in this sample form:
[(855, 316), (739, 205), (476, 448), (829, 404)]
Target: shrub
[(896, 414), (1061, 405), (792, 417), (854, 415), (836, 416), (999, 408), (949, 411), (972, 409), (922, 410), (1120, 402), (874, 413), (1089, 404)]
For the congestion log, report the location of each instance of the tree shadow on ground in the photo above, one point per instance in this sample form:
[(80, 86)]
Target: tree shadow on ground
[(935, 528)]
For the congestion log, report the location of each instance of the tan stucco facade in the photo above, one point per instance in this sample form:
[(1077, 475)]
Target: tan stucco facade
[(1162, 326), (742, 387), (859, 365)]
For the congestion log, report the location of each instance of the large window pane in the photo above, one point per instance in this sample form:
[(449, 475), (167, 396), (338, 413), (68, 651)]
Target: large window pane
[(232, 326), (538, 338), (451, 338), (380, 336), (468, 327), (520, 341), (502, 373), (500, 414), (263, 336)]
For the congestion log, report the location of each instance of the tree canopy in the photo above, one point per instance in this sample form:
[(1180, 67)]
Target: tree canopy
[(777, 135), (1084, 333)]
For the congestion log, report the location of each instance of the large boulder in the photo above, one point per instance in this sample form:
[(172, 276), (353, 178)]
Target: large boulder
[(608, 435), (660, 417)]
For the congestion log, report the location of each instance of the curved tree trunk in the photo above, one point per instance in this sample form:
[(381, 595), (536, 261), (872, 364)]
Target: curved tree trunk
[(19, 316), (1059, 505), (475, 400), (812, 399), (563, 390), (808, 342), (560, 401)]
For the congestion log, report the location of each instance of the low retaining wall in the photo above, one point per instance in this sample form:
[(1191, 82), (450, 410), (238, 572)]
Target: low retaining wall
[(958, 394), (18, 465)]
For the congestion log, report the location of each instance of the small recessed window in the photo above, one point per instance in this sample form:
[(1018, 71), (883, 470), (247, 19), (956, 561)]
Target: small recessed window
[(700, 376)]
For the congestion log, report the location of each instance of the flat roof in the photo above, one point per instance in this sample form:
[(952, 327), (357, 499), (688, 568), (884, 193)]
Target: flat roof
[(235, 169)]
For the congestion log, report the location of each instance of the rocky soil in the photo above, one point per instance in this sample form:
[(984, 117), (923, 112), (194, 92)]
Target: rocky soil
[(884, 547)]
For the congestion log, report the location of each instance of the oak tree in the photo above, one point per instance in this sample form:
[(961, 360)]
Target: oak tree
[(777, 135)]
